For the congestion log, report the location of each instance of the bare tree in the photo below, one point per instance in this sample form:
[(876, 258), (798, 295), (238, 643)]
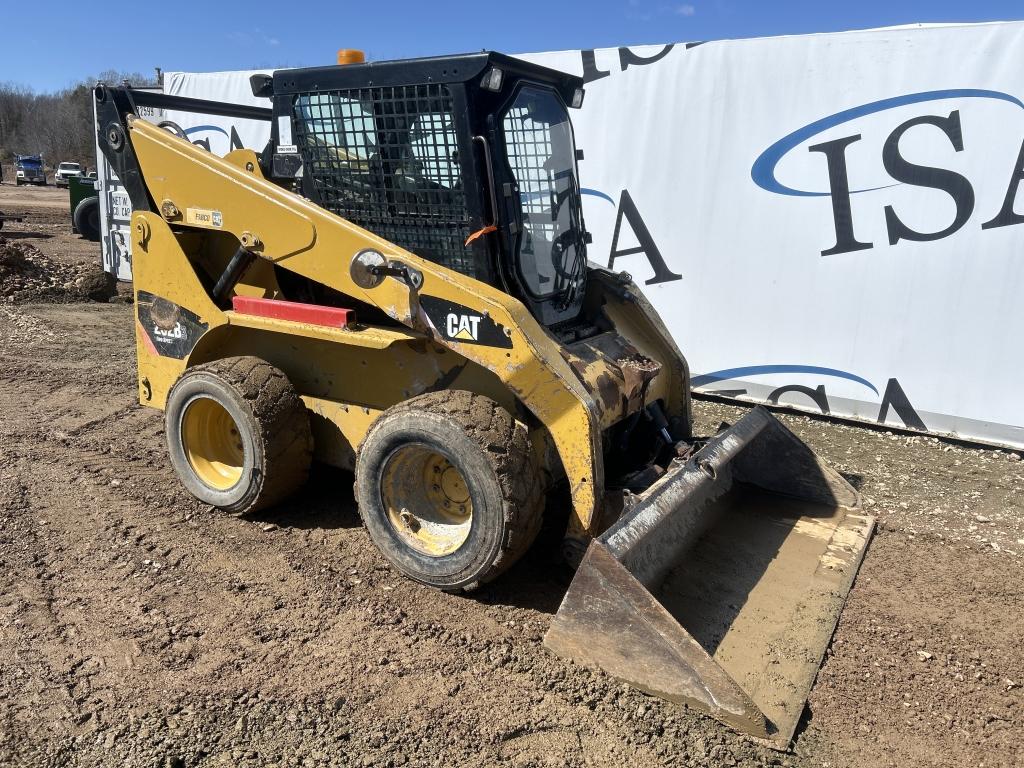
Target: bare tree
[(57, 125)]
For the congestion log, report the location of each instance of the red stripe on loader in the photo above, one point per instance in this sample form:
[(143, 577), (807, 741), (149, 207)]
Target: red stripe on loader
[(314, 314)]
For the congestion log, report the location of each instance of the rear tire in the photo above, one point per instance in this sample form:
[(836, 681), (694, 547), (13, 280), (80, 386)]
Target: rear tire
[(87, 218), (238, 434), (447, 489)]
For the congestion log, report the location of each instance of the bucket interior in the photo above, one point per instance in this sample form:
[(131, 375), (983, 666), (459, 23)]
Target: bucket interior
[(761, 592), (721, 586)]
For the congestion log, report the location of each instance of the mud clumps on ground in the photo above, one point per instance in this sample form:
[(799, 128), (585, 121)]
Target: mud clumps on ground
[(28, 275)]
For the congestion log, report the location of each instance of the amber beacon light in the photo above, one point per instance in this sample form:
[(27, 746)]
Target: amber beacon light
[(350, 56)]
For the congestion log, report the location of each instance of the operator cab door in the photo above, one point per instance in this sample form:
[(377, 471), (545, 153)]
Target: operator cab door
[(543, 230)]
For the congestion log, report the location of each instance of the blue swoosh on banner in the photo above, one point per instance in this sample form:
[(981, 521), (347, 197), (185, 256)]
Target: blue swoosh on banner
[(757, 370), (596, 193), (763, 170), (583, 190), (198, 128)]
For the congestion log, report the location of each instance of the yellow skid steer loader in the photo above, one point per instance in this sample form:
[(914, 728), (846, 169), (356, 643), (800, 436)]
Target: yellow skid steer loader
[(398, 285)]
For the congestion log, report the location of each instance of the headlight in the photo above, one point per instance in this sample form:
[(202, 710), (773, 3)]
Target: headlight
[(492, 79)]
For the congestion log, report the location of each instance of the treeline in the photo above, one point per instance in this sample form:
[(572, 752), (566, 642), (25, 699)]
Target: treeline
[(58, 126)]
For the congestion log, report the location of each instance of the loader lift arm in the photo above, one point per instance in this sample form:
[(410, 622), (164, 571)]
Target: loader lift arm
[(167, 178)]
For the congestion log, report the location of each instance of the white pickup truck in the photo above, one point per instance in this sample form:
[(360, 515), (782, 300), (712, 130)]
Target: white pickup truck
[(64, 172)]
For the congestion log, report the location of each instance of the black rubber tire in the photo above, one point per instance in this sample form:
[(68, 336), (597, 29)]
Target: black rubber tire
[(87, 218), (273, 425), (492, 452)]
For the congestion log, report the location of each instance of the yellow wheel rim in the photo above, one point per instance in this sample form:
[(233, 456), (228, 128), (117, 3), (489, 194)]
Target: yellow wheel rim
[(212, 443), (427, 500)]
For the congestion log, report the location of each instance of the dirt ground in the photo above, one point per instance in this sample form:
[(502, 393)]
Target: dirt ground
[(47, 222), (140, 628)]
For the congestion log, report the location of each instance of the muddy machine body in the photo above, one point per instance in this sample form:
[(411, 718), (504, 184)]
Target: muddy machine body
[(398, 285)]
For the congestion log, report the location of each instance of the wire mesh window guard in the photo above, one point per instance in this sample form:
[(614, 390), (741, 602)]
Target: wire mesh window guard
[(386, 159)]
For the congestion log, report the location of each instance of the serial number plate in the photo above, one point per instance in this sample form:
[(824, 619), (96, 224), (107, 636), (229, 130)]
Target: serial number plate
[(120, 206)]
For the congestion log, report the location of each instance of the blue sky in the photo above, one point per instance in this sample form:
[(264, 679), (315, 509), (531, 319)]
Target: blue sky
[(207, 35)]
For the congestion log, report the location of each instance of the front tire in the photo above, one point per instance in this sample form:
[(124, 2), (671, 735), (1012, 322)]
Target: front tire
[(447, 489), (238, 434)]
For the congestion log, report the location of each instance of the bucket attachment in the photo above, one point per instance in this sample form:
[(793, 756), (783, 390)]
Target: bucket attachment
[(721, 585)]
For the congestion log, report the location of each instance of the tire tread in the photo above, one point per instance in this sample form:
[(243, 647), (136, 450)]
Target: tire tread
[(506, 444), (282, 421)]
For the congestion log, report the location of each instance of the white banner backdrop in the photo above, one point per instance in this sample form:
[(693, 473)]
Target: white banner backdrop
[(825, 222), (220, 135)]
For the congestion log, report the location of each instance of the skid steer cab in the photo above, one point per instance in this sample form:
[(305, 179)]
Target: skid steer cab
[(397, 285)]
